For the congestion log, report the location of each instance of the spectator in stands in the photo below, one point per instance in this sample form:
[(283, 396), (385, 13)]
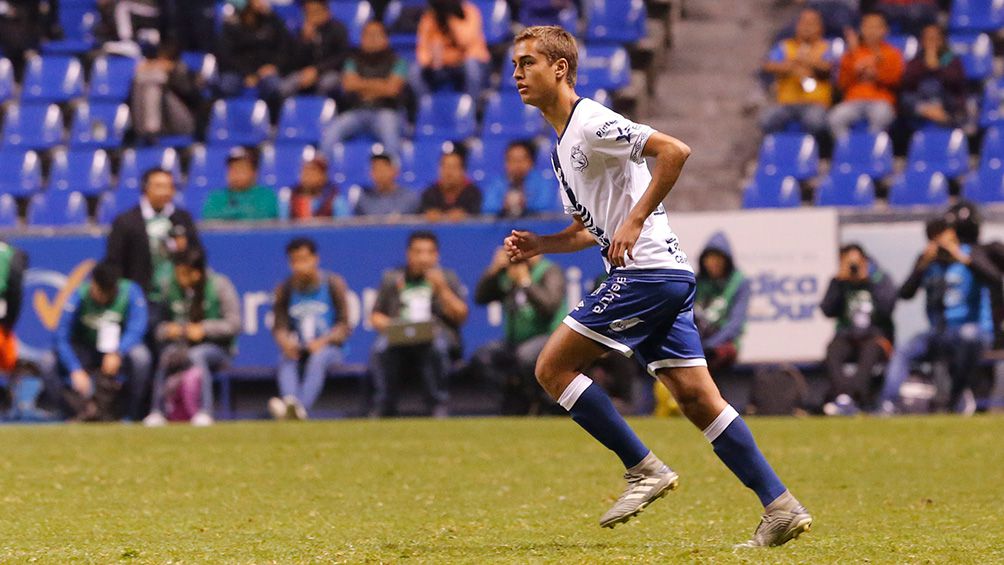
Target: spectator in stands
[(909, 16), (532, 294), (143, 238), (870, 73), (99, 342), (956, 279), (453, 196), (251, 51), (13, 263), (311, 324), (861, 298), (451, 49), (315, 196), (20, 30), (127, 27), (165, 96), (200, 332), (372, 88), (317, 54), (192, 23), (522, 191), (385, 197), (721, 304), (418, 312), (243, 198), (934, 83), (803, 79)]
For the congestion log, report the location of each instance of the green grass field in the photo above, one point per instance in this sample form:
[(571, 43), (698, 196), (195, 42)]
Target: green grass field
[(489, 490)]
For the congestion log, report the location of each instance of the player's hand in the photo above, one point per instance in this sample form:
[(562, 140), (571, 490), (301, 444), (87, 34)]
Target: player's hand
[(522, 245), (111, 363), (81, 382), (623, 243)]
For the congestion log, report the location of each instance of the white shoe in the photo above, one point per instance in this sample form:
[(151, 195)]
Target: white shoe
[(202, 419), (277, 408), (155, 420), (294, 408)]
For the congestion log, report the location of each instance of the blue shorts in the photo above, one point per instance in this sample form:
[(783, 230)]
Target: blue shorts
[(646, 313)]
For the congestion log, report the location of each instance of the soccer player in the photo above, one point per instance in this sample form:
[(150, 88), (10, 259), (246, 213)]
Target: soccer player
[(645, 307)]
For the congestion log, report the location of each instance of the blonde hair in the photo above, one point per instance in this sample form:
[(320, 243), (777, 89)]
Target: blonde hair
[(554, 43)]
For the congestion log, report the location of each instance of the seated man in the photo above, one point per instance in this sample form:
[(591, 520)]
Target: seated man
[(243, 198), (311, 324), (429, 301), (533, 301), (956, 279), (316, 54), (386, 197), (522, 191), (453, 197), (316, 196), (451, 49), (201, 329), (861, 298), (165, 96), (99, 344)]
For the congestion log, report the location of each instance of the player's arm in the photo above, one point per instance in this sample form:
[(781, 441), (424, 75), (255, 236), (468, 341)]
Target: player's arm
[(670, 154), (522, 245)]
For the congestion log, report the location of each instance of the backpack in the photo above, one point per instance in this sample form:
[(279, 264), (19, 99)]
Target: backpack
[(778, 390)]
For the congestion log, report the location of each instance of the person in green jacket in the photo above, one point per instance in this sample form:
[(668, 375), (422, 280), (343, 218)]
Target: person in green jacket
[(243, 199), (721, 304)]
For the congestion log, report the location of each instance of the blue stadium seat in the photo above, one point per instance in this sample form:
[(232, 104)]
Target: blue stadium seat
[(290, 12), (986, 185), (77, 20), (846, 189), (99, 125), (496, 20), (486, 158), (350, 163), (58, 208), (507, 117), (976, 15), (445, 116), (204, 64), (53, 78), (354, 14), (22, 172), (772, 191), (992, 104), (8, 211), (615, 21), (403, 15), (907, 45), (238, 121), (567, 18), (993, 145), (111, 204), (919, 188), (281, 164), (420, 162), (88, 171), (864, 152), (788, 154), (207, 169), (939, 149), (976, 52), (111, 78), (135, 162), (603, 66), (597, 95), (7, 82), (32, 126), (304, 119), (543, 164)]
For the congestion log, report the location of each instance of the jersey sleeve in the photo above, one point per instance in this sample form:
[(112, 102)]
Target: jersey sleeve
[(611, 134)]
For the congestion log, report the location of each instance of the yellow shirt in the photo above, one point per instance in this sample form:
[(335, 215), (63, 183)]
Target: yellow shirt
[(790, 89)]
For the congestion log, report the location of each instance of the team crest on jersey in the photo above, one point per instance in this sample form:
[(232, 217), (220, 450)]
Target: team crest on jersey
[(621, 325), (579, 159)]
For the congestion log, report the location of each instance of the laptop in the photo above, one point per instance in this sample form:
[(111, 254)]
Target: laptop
[(410, 333)]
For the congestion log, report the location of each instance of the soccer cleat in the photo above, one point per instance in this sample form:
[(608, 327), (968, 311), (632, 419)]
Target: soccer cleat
[(780, 526), (647, 481)]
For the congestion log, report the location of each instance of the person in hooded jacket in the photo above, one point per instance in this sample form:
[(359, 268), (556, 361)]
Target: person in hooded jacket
[(721, 304)]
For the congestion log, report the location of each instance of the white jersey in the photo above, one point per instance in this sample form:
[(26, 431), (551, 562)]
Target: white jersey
[(602, 175)]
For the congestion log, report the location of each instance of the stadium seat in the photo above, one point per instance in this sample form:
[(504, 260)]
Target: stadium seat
[(99, 125), (135, 162), (204, 64), (907, 45), (87, 171), (567, 18), (939, 149), (486, 158), (420, 162), (445, 116), (772, 191), (58, 208), (986, 185), (976, 15), (77, 20), (111, 204), (32, 126), (207, 169), (919, 188), (400, 17), (603, 66), (8, 211), (304, 119), (7, 83), (846, 189), (496, 20), (863, 152), (543, 163), (111, 78), (281, 164), (354, 14), (350, 162), (976, 52), (615, 21), (22, 172), (507, 117), (53, 78), (788, 154), (290, 12), (238, 121)]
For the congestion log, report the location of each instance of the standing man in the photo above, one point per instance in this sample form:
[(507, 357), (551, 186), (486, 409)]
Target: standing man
[(645, 307)]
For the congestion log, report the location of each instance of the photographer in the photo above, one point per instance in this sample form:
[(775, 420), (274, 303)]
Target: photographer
[(861, 298), (957, 278)]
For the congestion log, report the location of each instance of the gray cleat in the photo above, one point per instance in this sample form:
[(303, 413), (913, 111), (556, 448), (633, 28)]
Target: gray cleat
[(647, 481), (778, 527)]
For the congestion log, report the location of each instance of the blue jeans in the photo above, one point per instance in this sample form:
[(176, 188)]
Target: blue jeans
[(381, 123), (315, 370), (962, 347), (208, 357), (467, 78), (388, 364), (879, 115), (231, 85), (812, 117)]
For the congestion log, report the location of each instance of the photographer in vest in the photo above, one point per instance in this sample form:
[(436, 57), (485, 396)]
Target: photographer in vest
[(721, 304)]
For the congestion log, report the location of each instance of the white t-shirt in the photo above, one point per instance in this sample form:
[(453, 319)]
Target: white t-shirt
[(602, 175)]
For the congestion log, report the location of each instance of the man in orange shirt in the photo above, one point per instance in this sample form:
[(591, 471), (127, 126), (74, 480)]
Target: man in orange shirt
[(870, 73), (451, 48), (802, 69)]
